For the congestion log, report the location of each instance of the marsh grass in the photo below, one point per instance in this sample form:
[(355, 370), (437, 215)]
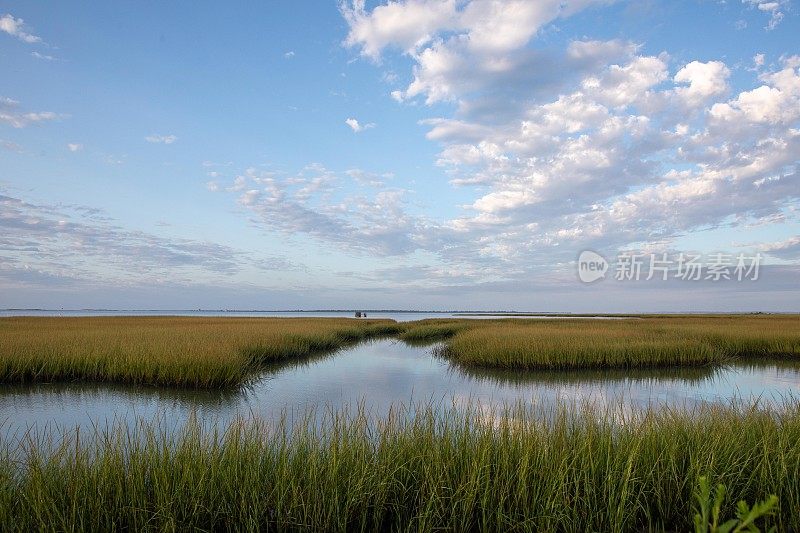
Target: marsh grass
[(432, 330), (214, 352), (531, 344), (581, 470), (172, 351)]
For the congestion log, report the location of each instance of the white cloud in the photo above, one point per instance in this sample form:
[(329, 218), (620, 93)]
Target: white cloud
[(787, 249), (239, 183), (456, 45), (43, 57), (598, 145), (773, 8), (288, 55), (356, 126), (705, 80), (74, 147), (11, 146), (79, 248), (487, 27), (161, 139), (84, 242), (624, 85), (315, 202), (405, 24), (776, 101), (16, 28), (10, 114)]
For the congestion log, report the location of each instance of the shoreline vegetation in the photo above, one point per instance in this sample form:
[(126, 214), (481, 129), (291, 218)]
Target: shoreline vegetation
[(195, 352), (647, 342), (575, 469), (220, 352)]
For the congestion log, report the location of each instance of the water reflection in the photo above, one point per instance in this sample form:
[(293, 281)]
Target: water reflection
[(59, 393), (382, 375), (693, 376)]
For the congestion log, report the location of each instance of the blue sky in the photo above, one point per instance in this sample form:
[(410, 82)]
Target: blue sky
[(435, 154)]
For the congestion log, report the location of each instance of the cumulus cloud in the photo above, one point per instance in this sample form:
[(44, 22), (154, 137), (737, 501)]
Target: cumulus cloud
[(357, 127), (596, 145), (17, 28), (776, 101), (161, 139), (74, 147), (485, 27), (625, 85), (406, 25), (12, 115), (583, 170), (455, 45), (704, 81)]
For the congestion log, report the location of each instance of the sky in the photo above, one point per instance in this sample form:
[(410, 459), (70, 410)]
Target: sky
[(411, 154)]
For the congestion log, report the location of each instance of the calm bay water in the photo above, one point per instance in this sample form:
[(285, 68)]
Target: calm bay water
[(400, 316), (382, 374)]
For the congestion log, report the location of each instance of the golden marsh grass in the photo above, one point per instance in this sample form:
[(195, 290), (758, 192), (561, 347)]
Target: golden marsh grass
[(173, 351), (627, 343), (223, 352)]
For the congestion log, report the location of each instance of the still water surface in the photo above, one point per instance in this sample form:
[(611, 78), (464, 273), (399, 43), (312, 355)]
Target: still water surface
[(381, 374), (399, 316)]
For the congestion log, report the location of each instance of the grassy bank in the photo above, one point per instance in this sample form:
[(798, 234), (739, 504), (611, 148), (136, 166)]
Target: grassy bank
[(224, 352), (432, 330), (171, 351), (530, 344), (580, 471)]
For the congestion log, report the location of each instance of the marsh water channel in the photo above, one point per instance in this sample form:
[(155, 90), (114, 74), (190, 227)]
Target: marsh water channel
[(378, 376)]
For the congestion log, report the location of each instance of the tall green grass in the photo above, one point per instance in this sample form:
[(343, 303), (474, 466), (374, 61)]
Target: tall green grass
[(580, 470), (171, 351)]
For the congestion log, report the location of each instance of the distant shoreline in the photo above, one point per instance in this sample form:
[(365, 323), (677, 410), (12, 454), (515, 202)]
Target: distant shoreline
[(409, 311)]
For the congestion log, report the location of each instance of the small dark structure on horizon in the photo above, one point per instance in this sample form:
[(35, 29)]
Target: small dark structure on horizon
[(361, 314)]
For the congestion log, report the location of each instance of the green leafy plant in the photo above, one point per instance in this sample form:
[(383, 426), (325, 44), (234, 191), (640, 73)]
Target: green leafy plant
[(707, 520)]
